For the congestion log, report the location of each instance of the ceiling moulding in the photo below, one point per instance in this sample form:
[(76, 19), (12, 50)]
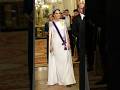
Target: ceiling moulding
[(11, 0)]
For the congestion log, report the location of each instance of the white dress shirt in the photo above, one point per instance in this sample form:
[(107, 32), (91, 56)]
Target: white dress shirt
[(82, 16)]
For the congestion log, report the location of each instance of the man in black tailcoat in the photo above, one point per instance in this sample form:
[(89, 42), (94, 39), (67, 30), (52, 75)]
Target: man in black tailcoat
[(78, 29)]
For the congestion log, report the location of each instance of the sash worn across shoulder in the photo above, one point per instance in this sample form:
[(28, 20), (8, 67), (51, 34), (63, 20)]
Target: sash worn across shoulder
[(64, 42)]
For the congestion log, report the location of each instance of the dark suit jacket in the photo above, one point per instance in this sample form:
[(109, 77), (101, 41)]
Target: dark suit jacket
[(78, 29), (46, 27)]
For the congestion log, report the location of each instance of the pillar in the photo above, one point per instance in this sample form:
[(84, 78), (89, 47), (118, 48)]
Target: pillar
[(70, 5)]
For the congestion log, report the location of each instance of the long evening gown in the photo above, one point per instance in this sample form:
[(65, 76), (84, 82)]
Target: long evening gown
[(60, 66)]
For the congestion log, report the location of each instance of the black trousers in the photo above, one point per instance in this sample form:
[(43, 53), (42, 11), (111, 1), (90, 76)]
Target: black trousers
[(82, 66)]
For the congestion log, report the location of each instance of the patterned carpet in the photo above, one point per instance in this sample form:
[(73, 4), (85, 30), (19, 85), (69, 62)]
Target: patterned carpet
[(41, 51)]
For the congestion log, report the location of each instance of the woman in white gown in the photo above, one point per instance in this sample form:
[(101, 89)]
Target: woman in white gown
[(60, 66)]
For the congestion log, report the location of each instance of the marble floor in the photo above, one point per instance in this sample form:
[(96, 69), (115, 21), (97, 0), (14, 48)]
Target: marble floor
[(41, 79)]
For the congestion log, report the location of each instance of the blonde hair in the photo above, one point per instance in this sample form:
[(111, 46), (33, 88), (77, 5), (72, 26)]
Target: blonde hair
[(81, 2)]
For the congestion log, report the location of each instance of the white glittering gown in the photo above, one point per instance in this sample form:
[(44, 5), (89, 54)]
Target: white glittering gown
[(60, 66)]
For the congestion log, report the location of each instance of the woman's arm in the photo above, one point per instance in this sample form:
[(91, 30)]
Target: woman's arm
[(50, 38), (67, 36)]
